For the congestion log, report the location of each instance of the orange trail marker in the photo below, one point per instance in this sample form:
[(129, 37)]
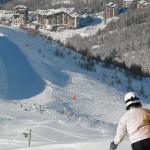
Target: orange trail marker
[(74, 99)]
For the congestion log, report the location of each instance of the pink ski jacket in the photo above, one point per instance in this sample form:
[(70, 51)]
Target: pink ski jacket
[(135, 122)]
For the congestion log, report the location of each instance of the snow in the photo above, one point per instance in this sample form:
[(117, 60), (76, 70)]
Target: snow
[(79, 146), (128, 0), (54, 2), (110, 4), (36, 90), (20, 7), (1, 35), (70, 11), (19, 73), (143, 2), (7, 15), (114, 5), (95, 47)]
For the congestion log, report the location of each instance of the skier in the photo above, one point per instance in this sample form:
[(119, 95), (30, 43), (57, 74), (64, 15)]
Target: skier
[(135, 122)]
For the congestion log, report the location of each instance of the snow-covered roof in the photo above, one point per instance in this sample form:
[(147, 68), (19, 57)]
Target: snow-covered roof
[(130, 1), (143, 2), (110, 4), (54, 2), (114, 5), (95, 47), (146, 3), (20, 7), (70, 11)]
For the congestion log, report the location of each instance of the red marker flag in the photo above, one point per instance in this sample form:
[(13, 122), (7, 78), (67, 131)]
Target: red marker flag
[(74, 99)]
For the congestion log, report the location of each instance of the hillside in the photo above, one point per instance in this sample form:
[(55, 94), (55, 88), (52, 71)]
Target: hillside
[(46, 4), (125, 41)]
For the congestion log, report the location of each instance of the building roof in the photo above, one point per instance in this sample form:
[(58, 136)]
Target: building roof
[(70, 11), (143, 2), (20, 7), (110, 4), (114, 5), (146, 3), (130, 1)]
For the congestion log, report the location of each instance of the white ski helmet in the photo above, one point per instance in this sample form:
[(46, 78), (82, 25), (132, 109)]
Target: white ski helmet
[(131, 98)]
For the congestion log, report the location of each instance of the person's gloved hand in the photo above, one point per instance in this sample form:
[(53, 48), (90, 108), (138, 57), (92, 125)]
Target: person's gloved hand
[(113, 146)]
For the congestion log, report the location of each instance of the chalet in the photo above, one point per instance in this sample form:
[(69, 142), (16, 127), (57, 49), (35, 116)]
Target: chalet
[(142, 5), (20, 15), (64, 17), (111, 10), (127, 3)]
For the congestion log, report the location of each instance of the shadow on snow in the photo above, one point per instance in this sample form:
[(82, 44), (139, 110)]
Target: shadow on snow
[(22, 81)]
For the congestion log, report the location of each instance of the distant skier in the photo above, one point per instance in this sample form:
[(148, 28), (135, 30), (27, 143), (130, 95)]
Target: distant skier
[(135, 122)]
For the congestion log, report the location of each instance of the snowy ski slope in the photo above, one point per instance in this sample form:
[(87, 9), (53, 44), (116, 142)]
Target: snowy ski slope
[(36, 90)]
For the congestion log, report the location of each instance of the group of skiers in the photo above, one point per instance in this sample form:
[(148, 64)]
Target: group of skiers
[(135, 122), (27, 107)]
